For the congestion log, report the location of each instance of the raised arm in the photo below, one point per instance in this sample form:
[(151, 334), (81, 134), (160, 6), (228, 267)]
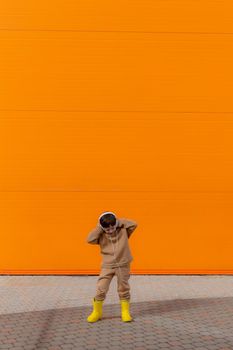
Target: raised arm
[(94, 235), (130, 226)]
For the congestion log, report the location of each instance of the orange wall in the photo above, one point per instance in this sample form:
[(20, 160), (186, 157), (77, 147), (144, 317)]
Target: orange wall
[(120, 106)]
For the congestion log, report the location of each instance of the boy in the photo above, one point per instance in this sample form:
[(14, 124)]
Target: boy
[(112, 234)]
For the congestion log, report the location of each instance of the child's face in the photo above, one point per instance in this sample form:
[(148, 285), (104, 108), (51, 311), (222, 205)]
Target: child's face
[(110, 229)]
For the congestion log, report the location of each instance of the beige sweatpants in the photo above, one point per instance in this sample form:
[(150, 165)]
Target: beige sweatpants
[(106, 274)]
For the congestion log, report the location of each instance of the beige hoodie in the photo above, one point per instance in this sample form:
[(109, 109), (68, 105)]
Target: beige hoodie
[(114, 247)]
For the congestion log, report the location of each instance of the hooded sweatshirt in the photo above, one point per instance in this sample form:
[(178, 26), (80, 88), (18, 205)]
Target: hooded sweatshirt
[(114, 247)]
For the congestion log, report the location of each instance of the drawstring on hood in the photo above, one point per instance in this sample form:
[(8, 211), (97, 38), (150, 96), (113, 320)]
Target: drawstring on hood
[(114, 251)]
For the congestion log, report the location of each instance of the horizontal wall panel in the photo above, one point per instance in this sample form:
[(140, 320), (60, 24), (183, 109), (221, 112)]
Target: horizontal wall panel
[(51, 151), (120, 106), (115, 72), (137, 15), (177, 231)]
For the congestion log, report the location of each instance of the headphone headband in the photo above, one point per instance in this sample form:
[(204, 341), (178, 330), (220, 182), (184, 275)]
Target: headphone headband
[(106, 212)]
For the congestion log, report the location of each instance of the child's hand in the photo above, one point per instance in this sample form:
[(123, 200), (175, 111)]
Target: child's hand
[(100, 227), (94, 235)]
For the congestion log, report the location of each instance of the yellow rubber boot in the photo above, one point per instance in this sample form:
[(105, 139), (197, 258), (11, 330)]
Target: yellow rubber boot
[(125, 315), (97, 311)]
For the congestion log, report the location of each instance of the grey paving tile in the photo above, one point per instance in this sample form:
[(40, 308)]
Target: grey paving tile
[(170, 312)]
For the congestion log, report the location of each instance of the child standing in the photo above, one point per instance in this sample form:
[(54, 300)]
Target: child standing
[(112, 234)]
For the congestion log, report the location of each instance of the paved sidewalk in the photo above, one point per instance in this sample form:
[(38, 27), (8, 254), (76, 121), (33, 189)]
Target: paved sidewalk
[(170, 312)]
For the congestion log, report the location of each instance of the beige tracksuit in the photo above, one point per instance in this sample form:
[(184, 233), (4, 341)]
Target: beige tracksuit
[(116, 257)]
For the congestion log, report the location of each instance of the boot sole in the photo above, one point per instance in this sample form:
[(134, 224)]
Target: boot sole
[(127, 320), (94, 321)]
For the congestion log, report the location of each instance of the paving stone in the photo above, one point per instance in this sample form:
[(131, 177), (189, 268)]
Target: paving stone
[(170, 312)]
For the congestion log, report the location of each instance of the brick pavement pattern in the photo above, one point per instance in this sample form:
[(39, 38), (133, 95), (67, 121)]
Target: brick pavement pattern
[(191, 312)]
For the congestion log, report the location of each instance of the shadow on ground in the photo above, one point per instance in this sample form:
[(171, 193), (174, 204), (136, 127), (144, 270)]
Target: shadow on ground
[(203, 323)]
